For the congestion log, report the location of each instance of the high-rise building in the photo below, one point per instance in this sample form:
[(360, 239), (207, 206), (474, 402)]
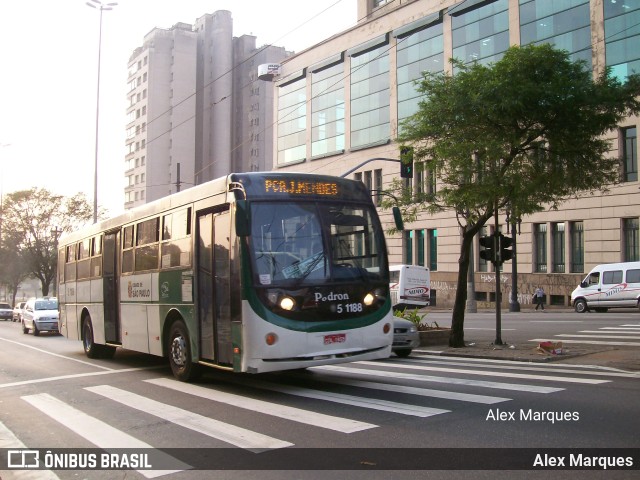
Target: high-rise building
[(341, 103), (196, 110)]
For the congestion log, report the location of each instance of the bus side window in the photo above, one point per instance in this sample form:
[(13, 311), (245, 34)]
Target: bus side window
[(127, 250), (146, 256), (70, 266)]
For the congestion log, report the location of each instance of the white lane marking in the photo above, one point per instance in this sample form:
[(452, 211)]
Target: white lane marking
[(491, 329), (622, 329), (431, 378), (9, 440), (590, 342), (549, 378), (618, 337), (550, 366), (423, 392), (55, 354), (240, 437), (521, 366), (556, 321), (371, 403), (308, 417), (93, 430), (75, 375)]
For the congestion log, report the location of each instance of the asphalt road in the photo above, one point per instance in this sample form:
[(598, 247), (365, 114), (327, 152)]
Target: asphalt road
[(357, 418)]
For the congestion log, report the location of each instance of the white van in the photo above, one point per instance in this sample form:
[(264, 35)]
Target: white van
[(410, 286), (607, 286)]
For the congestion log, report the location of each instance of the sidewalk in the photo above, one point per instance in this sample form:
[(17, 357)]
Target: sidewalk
[(623, 358)]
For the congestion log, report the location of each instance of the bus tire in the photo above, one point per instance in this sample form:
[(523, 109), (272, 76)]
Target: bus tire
[(179, 350), (405, 352), (91, 349), (581, 306)]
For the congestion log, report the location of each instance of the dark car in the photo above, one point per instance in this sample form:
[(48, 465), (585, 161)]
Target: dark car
[(405, 337), (6, 312)]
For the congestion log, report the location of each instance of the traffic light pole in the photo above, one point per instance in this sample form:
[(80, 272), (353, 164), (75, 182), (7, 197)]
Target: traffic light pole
[(496, 233)]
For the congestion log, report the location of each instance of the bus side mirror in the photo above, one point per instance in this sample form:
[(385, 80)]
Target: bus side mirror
[(243, 220), (397, 217)]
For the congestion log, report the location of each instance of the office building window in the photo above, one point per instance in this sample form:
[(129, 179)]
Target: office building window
[(432, 238), (377, 185), (480, 34), (327, 110), (292, 121), (370, 121), (408, 247), (622, 37), (630, 154), (420, 247), (631, 239), (417, 51), (566, 25), (576, 240), (540, 247), (557, 239)]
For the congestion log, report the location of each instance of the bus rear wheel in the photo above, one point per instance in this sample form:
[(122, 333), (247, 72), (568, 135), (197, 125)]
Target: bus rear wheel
[(179, 348), (92, 349)]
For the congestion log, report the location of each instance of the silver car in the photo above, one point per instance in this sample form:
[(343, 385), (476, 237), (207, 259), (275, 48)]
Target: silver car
[(40, 315), (6, 312), (405, 337)]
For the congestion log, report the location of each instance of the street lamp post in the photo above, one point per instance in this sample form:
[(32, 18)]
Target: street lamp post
[(97, 4)]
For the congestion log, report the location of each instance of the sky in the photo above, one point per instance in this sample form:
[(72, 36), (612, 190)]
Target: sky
[(48, 79)]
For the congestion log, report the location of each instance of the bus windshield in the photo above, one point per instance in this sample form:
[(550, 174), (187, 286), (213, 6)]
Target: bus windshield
[(314, 242)]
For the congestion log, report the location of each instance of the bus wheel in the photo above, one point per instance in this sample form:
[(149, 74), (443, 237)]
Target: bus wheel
[(179, 349), (91, 350), (581, 305)]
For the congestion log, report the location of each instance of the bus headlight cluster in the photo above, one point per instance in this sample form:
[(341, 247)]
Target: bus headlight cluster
[(369, 298), (287, 303)]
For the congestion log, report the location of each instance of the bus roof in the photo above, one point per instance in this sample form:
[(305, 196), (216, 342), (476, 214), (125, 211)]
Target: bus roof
[(256, 185)]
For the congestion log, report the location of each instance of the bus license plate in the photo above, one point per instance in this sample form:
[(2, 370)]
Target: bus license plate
[(335, 338)]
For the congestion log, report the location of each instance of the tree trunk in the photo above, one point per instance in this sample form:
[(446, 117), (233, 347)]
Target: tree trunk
[(456, 339)]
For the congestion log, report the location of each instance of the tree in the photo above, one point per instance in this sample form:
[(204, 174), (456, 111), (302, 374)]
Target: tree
[(13, 270), (35, 218), (525, 132)]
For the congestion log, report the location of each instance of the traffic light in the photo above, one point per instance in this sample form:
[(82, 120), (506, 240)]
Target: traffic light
[(489, 252), (505, 244), (406, 162)]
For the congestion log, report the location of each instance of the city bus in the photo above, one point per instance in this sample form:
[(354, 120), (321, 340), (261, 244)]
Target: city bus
[(252, 272)]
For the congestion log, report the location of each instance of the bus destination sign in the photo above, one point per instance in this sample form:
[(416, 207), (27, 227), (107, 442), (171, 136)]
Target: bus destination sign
[(301, 187)]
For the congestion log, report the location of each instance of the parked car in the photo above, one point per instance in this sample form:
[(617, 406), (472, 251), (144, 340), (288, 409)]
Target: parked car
[(405, 337), (17, 311), (6, 312), (40, 315)]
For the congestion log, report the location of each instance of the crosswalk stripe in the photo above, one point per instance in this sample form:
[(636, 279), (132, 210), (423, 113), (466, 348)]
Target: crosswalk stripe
[(590, 342), (432, 378), (618, 337), (95, 431), (308, 417), (622, 328), (9, 441), (520, 366), (423, 392), (617, 331), (240, 437), (527, 376), (371, 403)]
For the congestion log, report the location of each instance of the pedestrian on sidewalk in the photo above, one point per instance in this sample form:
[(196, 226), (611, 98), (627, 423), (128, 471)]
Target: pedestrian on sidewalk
[(539, 297)]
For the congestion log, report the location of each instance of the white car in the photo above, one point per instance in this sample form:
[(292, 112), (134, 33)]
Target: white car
[(405, 337), (40, 315), (17, 311)]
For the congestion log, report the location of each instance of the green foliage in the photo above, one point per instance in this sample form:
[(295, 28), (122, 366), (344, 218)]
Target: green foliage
[(526, 132), (415, 317), (33, 220)]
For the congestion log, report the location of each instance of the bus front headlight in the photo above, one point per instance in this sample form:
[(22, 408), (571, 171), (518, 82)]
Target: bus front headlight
[(287, 303), (369, 298)]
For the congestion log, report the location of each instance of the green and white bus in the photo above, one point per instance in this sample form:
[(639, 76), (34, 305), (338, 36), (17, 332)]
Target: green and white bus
[(252, 272)]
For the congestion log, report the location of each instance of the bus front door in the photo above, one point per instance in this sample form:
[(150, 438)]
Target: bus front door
[(214, 290), (110, 287)]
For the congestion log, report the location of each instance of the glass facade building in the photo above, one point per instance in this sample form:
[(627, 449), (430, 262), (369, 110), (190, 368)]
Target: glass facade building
[(341, 106)]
